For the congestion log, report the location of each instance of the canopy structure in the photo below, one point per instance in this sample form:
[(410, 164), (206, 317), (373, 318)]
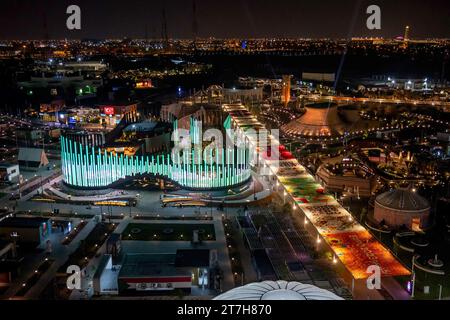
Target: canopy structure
[(32, 157), (278, 290), (351, 243), (316, 122)]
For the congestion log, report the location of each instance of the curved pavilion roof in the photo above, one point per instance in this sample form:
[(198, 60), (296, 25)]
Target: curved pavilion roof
[(316, 122), (278, 290)]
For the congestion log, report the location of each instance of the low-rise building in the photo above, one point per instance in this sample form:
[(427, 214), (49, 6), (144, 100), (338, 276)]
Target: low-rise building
[(28, 231), (9, 172), (402, 207), (151, 273), (346, 181), (32, 158)]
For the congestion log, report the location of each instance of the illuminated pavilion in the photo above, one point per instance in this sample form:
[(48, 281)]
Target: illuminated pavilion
[(316, 122), (197, 168)]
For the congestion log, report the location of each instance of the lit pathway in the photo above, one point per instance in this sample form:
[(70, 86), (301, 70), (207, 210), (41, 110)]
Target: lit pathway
[(60, 254)]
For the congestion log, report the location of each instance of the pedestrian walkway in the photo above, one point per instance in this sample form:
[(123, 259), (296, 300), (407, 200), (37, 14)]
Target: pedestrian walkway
[(59, 254), (250, 274)]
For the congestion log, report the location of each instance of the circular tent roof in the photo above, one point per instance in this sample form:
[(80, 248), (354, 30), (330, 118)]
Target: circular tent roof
[(316, 122), (403, 200), (278, 290)]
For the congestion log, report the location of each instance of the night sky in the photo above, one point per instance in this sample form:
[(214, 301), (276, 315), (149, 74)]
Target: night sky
[(24, 19)]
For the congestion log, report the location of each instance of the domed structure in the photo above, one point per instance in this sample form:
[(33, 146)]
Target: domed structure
[(278, 290), (400, 207)]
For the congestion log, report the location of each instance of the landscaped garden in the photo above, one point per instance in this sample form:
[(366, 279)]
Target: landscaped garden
[(41, 269), (168, 232)]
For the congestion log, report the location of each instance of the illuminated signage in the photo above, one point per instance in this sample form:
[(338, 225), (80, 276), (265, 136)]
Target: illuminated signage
[(109, 111)]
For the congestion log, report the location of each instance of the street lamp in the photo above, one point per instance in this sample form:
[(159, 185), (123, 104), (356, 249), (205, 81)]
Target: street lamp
[(413, 281), (14, 236), (318, 241), (40, 182)]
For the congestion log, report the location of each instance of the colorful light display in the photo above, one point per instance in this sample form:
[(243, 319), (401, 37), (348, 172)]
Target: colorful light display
[(197, 168), (351, 243)]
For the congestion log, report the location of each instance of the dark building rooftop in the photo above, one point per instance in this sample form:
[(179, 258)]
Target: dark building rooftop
[(402, 199), (166, 264), (17, 222), (192, 258)]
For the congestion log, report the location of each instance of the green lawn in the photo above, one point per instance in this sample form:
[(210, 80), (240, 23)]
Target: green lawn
[(168, 232)]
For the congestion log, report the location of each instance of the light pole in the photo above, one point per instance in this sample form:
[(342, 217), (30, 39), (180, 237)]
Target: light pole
[(413, 277), (318, 241), (40, 182), (210, 204), (14, 236)]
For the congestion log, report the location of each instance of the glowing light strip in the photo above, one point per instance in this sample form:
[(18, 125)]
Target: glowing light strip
[(86, 167)]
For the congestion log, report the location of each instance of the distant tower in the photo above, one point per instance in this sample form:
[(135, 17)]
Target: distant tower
[(406, 36), (286, 90)]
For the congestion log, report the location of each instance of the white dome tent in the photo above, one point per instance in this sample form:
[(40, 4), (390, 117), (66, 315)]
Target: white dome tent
[(278, 290)]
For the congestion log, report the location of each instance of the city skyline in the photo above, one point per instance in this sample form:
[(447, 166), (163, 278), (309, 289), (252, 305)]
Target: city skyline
[(196, 150), (232, 19)]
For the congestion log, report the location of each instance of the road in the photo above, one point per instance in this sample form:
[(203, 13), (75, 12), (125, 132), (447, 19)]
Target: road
[(433, 103)]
